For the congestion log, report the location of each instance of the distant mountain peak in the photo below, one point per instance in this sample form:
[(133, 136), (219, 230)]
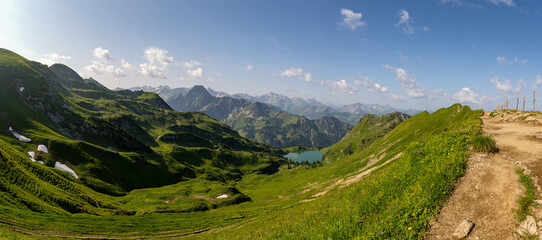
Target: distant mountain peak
[(64, 70), (198, 89)]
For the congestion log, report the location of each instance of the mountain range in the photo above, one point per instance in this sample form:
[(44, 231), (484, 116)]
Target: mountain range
[(309, 108), (260, 121)]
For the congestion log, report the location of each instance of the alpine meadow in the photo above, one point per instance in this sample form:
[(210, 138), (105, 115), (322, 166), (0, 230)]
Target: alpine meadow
[(270, 120)]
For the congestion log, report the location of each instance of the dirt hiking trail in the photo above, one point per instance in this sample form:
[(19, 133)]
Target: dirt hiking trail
[(488, 192)]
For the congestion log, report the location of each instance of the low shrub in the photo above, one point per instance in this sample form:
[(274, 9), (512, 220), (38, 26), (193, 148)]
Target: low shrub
[(484, 143)]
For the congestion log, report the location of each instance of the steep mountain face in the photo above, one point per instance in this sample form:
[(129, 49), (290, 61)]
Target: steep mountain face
[(197, 98), (278, 128), (260, 121), (117, 141)]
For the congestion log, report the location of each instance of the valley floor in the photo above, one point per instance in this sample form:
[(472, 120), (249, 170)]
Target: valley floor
[(488, 193)]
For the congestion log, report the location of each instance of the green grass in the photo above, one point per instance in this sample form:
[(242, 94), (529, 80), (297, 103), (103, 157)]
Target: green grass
[(527, 200), (369, 128), (269, 199), (484, 143), (405, 193)]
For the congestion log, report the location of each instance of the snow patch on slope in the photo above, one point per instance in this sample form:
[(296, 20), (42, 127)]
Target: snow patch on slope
[(222, 196), (32, 156), (21, 137), (42, 148), (65, 168)]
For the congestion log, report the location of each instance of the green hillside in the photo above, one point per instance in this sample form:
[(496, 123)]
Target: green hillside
[(146, 171), (117, 141), (331, 201), (367, 130)]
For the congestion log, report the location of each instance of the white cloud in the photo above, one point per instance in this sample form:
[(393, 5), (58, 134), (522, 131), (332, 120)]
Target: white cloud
[(52, 58), (408, 83), (396, 98), (152, 71), (425, 29), (218, 74), (504, 87), (100, 68), (157, 62), (537, 81), (453, 2), (405, 22), (439, 92), (521, 86), (102, 54), (402, 57), (342, 86), (351, 19), (517, 61), (298, 73), (154, 54), (503, 61), (125, 64), (191, 64), (277, 45), (509, 3), (371, 86), (466, 95), (460, 3), (195, 73), (249, 67)]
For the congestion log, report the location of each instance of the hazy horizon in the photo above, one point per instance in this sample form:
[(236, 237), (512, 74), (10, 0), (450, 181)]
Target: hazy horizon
[(407, 54)]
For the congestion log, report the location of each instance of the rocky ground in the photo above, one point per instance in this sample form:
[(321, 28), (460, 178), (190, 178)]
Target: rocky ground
[(487, 194)]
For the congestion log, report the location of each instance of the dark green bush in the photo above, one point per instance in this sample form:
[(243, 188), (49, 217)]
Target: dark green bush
[(484, 143)]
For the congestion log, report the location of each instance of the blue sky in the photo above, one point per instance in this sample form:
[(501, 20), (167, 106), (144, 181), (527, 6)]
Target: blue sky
[(421, 54)]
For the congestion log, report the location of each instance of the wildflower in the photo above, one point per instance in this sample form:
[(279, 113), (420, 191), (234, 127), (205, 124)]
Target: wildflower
[(409, 228)]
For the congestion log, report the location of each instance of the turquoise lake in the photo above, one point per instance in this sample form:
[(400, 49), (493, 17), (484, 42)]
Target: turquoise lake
[(305, 156)]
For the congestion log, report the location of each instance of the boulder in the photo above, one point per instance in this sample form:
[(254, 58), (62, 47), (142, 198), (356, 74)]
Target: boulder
[(528, 226), (463, 229)]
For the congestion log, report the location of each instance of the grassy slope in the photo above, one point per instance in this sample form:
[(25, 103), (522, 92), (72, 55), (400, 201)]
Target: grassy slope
[(367, 130), (396, 201), (126, 121), (403, 195)]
